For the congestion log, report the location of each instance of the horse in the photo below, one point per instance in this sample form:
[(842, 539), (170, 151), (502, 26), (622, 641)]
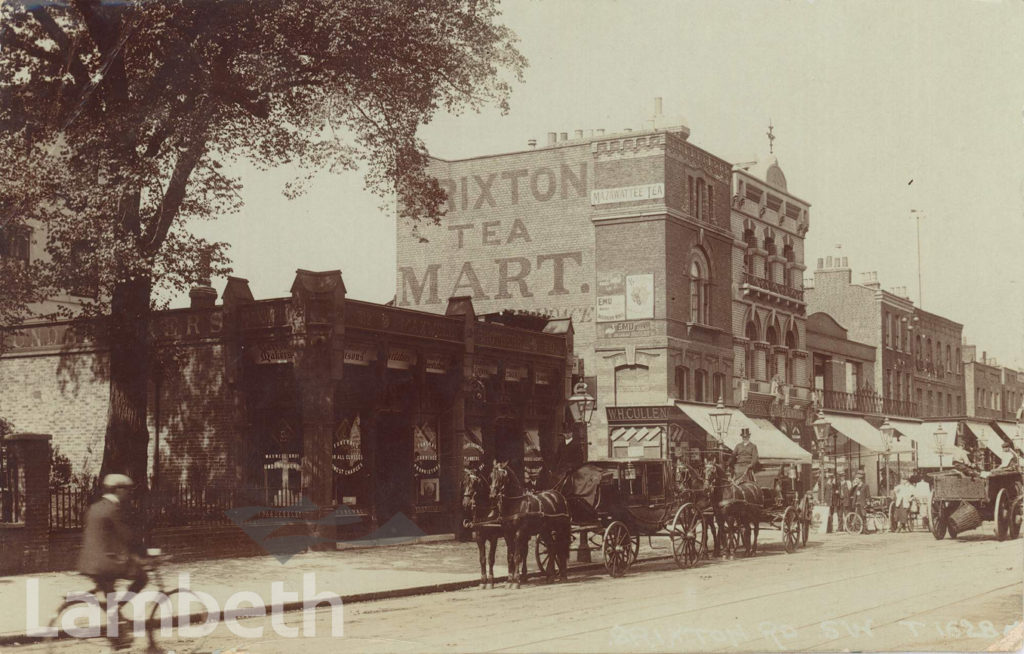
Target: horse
[(737, 506), (475, 507), (524, 514)]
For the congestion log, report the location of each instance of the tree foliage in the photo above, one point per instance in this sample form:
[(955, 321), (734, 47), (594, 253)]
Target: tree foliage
[(120, 119)]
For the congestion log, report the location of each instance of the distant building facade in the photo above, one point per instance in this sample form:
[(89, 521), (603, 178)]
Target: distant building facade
[(938, 365)]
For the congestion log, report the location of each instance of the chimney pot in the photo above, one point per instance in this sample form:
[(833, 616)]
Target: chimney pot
[(845, 263), (657, 106), (532, 143), (821, 263), (578, 134), (600, 132), (563, 136), (552, 138), (828, 262)]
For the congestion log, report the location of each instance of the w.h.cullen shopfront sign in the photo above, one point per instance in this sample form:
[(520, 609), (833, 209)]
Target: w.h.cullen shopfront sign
[(641, 413)]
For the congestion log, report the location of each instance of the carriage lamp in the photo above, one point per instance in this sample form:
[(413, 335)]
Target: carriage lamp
[(821, 429), (940, 443), (582, 404)]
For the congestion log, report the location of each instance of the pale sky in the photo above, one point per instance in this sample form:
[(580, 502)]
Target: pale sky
[(864, 97)]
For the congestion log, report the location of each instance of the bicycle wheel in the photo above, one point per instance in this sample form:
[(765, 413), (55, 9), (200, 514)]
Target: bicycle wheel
[(854, 523), (165, 619), (81, 625)]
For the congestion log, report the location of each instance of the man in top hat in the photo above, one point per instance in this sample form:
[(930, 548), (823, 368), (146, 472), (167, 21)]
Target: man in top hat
[(743, 459), (110, 548)]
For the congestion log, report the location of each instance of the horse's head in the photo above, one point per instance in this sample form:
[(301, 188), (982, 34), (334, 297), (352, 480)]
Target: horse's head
[(501, 478), (474, 493), (712, 474)]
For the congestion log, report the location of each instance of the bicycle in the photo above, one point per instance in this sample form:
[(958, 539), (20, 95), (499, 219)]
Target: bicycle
[(874, 518), (75, 617)]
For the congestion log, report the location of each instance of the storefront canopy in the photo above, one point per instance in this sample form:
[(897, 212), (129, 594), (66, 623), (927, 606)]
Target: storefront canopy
[(867, 436), (1011, 431), (772, 445), (988, 438), (903, 438)]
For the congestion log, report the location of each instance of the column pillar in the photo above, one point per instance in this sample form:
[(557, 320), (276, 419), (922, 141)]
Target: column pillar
[(461, 307), (31, 454)]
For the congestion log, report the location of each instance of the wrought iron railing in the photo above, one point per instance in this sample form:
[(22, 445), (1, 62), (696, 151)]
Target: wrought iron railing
[(12, 501), (774, 287), (868, 401)]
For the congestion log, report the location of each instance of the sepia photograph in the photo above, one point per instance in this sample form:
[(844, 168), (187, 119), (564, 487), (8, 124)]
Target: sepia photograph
[(570, 326)]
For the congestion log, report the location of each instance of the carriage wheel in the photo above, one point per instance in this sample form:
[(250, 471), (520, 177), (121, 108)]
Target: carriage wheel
[(806, 515), (544, 553), (854, 523), (1002, 514), (689, 536), (732, 539), (937, 520), (1016, 516), (790, 529), (892, 517), (617, 546)]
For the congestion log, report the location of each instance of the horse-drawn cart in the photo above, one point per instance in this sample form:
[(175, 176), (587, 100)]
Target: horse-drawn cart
[(613, 503), (961, 502)]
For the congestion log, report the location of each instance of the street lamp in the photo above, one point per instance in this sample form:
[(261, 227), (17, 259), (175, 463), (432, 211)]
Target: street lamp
[(940, 443), (821, 430), (581, 404), (886, 430), (720, 419)]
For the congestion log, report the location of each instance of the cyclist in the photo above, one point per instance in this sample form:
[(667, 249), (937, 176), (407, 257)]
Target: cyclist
[(112, 550)]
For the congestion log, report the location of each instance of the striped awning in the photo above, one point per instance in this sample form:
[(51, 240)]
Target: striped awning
[(626, 435)]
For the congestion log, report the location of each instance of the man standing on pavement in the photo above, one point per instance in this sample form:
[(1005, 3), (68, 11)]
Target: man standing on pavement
[(111, 550), (743, 459), (904, 496)]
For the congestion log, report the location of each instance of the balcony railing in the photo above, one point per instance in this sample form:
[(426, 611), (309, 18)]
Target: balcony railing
[(867, 401), (774, 287)]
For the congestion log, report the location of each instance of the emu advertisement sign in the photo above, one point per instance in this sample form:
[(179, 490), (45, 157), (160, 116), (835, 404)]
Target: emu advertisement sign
[(517, 235)]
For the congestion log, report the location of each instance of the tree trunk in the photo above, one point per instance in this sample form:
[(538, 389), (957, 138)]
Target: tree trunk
[(126, 445)]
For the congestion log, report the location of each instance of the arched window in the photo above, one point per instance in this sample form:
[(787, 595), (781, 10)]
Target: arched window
[(949, 360), (700, 386), (748, 254), (791, 341), (717, 387), (772, 336), (700, 290), (769, 245), (748, 353)]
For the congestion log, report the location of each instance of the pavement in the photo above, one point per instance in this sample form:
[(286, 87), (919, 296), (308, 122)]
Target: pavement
[(354, 573)]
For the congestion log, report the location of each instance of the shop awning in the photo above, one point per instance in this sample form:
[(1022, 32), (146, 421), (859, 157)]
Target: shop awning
[(988, 438), (863, 433), (904, 430), (1010, 431), (772, 444)]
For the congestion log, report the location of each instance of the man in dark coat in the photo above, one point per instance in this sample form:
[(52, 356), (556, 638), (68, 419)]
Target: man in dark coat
[(743, 459), (110, 548)]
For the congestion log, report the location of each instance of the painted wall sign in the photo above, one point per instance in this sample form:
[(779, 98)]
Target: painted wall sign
[(544, 377), (516, 373), (629, 329), (401, 358), (359, 355), (485, 369), (437, 363), (627, 194), (270, 354), (641, 413), (639, 296)]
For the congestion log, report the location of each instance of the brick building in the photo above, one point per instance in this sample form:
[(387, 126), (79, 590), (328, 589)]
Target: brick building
[(983, 384), (770, 370), (631, 235), (938, 368), (879, 318), (348, 403)]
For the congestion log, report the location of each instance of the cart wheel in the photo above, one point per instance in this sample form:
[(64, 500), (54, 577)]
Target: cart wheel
[(542, 551), (806, 515), (689, 536), (1002, 514), (790, 529), (1016, 516), (618, 549), (937, 520), (892, 517), (854, 523)]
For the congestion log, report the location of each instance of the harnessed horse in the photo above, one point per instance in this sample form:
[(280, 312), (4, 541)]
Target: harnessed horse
[(525, 514), (737, 505), (476, 495)]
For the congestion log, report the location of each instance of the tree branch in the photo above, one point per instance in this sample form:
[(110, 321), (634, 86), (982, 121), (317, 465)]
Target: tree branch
[(188, 158)]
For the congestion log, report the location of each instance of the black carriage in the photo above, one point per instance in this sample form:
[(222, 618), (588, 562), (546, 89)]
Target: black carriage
[(613, 503), (961, 502), (789, 513)]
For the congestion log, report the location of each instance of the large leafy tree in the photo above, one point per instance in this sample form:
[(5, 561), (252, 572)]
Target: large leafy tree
[(120, 119)]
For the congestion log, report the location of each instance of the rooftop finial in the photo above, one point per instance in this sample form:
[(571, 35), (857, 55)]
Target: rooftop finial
[(771, 137)]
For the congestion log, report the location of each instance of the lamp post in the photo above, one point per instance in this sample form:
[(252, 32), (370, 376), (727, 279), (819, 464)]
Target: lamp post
[(821, 431), (720, 419), (581, 406), (940, 443), (886, 430)]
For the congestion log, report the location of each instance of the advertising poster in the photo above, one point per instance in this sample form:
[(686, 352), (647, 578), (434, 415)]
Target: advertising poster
[(639, 297)]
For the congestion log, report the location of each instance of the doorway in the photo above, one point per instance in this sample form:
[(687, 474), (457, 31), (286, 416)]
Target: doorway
[(394, 475)]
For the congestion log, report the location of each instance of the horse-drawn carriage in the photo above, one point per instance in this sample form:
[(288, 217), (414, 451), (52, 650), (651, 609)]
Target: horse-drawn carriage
[(961, 502), (613, 503)]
